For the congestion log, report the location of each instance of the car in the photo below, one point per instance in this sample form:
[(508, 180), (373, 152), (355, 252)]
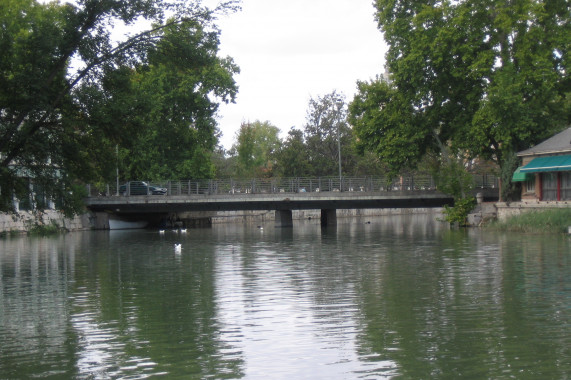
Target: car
[(141, 188)]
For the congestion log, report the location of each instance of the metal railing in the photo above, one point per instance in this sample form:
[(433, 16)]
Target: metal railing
[(418, 182)]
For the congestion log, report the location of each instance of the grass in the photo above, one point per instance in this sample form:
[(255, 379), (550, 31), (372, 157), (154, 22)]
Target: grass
[(547, 221)]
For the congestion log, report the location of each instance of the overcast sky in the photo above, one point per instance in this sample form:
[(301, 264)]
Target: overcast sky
[(291, 50)]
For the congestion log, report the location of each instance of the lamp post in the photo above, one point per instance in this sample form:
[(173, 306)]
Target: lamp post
[(338, 105), (117, 165), (339, 150)]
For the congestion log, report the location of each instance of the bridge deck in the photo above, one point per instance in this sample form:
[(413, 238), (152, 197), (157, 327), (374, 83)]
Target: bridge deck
[(273, 201)]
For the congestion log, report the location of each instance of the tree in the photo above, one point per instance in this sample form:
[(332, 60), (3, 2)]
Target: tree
[(178, 133), (487, 78), (385, 123), (225, 163), (256, 145), (58, 67), (292, 159), (325, 131)]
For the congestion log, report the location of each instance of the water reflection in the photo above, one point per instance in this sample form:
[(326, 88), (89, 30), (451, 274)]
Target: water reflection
[(401, 296)]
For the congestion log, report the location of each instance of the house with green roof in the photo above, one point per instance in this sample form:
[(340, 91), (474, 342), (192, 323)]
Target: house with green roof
[(546, 169)]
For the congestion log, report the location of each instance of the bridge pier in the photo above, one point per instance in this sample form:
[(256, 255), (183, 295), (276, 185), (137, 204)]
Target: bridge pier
[(328, 217), (284, 218)]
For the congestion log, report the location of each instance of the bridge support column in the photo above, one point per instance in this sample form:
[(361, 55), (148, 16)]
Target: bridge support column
[(328, 217), (284, 218)]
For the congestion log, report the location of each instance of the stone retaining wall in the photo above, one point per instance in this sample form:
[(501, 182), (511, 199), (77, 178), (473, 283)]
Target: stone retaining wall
[(24, 221), (506, 210), (269, 216)]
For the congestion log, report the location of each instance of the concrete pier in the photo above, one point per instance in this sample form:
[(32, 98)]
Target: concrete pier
[(328, 217), (284, 218)]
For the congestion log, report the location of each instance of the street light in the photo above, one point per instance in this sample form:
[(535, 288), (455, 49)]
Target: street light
[(339, 149), (117, 165), (338, 104)]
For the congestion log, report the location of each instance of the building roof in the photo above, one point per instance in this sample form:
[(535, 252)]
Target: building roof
[(560, 143)]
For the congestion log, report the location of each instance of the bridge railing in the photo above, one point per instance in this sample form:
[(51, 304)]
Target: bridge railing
[(417, 182)]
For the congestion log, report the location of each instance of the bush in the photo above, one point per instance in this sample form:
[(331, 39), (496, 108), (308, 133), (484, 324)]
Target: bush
[(459, 213)]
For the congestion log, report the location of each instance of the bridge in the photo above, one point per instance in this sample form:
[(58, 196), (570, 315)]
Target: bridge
[(280, 195)]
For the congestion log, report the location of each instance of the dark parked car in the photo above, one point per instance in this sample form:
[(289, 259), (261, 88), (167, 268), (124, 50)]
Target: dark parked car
[(141, 188)]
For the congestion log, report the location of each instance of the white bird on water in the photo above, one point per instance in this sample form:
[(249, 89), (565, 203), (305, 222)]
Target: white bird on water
[(183, 230), (178, 248)]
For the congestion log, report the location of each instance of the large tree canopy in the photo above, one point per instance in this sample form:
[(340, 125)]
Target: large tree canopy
[(69, 92), (485, 77)]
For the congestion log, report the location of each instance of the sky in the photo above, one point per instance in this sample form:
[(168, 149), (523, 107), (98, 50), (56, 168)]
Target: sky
[(290, 51)]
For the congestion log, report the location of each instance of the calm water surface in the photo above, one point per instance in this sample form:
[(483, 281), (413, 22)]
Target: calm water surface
[(401, 297)]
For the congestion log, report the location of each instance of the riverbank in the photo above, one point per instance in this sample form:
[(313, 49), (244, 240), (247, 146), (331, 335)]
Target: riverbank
[(556, 220), (46, 220)]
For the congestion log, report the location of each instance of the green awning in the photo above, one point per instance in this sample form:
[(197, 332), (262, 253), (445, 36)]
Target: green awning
[(548, 164), (521, 177)]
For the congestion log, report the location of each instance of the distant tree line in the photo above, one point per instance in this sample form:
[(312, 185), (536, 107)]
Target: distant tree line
[(313, 151)]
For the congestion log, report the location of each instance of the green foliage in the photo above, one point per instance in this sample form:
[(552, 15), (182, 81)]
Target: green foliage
[(325, 131), (256, 145), (487, 78), (225, 163), (452, 178), (153, 93), (292, 159), (72, 202), (45, 229), (459, 213), (510, 191), (168, 108), (547, 221), (384, 124)]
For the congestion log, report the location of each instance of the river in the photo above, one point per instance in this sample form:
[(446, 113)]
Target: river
[(376, 298)]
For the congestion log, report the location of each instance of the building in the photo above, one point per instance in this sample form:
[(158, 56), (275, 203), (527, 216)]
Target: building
[(546, 169)]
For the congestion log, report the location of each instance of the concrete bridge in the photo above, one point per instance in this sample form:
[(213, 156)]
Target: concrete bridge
[(150, 206), (282, 196)]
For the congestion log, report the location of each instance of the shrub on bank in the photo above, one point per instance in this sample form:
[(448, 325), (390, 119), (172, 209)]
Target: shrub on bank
[(547, 221), (46, 229)]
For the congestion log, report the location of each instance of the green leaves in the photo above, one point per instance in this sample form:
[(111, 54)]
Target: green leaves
[(69, 93), (256, 145), (385, 124), (486, 78)]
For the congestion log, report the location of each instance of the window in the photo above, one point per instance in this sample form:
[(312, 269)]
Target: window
[(566, 186), (530, 185), (549, 186)]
